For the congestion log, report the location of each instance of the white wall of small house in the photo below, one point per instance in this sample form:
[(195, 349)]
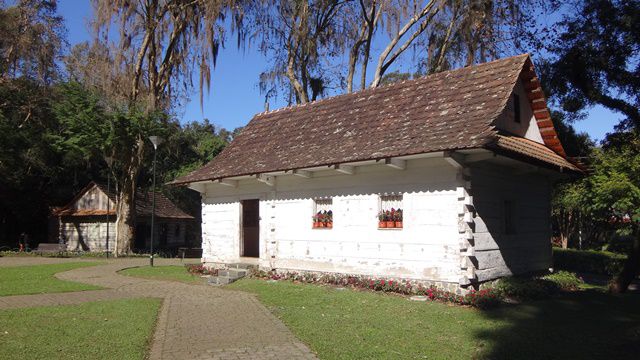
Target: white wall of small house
[(90, 233), (87, 234), (528, 125), (527, 248), (426, 248), (94, 199)]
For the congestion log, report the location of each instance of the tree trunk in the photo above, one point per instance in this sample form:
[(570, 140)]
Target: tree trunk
[(125, 220), (353, 59), (365, 56), (386, 58), (631, 268), (126, 206), (564, 240)]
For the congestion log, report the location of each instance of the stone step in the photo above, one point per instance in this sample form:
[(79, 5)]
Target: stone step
[(244, 266), (233, 273), (221, 280)]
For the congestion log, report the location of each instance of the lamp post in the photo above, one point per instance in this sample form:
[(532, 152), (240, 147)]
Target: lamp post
[(109, 161), (156, 141)]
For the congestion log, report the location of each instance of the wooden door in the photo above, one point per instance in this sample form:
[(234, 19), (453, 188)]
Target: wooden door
[(250, 228)]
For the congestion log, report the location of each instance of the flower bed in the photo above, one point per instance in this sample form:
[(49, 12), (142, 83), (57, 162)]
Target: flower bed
[(481, 299), (199, 269)]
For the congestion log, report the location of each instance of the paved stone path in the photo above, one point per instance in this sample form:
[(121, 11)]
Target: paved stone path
[(195, 321)]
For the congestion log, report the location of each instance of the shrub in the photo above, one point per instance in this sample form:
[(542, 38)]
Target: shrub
[(588, 261), (537, 287), (484, 299), (522, 288), (564, 280)]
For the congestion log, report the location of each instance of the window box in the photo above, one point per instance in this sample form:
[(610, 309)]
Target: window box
[(323, 215), (390, 215)]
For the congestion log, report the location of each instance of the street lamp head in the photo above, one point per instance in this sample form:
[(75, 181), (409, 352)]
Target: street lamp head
[(108, 160), (156, 141)]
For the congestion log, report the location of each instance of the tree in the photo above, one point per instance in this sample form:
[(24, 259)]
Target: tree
[(446, 34), (89, 130), (608, 198), (161, 45), (188, 147), (570, 198), (308, 41), (416, 23), (31, 41), (31, 38), (595, 59), (301, 37), (567, 210), (362, 29), (594, 62), (616, 190)]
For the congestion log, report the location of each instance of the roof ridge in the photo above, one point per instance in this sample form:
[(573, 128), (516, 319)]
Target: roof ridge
[(397, 83)]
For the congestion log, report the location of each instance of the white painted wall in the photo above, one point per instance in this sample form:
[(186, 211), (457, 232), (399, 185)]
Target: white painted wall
[(497, 252), (426, 248), (94, 199), (528, 127), (88, 234)]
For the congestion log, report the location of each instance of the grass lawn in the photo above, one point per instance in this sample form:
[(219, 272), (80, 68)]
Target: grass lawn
[(117, 329), (170, 272), (347, 324), (37, 279)]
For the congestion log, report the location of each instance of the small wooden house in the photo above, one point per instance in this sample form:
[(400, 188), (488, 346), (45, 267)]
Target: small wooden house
[(469, 156), (83, 223)]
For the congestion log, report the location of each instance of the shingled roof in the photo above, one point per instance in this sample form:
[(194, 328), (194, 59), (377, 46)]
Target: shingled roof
[(452, 110), (164, 207)]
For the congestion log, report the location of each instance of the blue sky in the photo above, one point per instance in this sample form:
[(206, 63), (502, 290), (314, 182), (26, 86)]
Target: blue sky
[(234, 95)]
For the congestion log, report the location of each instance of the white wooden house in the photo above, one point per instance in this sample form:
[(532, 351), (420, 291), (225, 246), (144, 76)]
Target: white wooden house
[(469, 156), (83, 223)]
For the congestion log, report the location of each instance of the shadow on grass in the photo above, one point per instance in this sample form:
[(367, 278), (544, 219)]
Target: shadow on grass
[(580, 325)]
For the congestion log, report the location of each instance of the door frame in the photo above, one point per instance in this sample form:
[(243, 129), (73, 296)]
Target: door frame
[(242, 228)]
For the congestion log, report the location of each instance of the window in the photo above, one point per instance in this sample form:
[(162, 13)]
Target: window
[(390, 212), (323, 213), (509, 218), (516, 108)]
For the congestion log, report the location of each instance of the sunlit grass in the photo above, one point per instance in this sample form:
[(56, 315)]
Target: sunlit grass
[(37, 279), (117, 329), (349, 324)]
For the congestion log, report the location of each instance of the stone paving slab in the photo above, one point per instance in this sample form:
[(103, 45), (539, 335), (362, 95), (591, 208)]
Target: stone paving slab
[(195, 321)]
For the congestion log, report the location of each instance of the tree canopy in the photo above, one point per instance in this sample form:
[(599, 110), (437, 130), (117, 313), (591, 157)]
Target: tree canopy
[(595, 59)]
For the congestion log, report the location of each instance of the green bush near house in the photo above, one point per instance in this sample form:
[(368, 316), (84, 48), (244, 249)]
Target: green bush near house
[(563, 280), (526, 287), (523, 288), (588, 261)]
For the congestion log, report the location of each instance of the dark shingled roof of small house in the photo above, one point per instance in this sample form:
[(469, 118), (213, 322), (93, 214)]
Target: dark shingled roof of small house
[(165, 208), (452, 110)]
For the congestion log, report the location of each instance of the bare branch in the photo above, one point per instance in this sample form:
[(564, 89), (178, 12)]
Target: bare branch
[(383, 60)]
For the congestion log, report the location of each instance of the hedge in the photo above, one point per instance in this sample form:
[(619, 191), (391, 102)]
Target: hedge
[(588, 261), (537, 287)]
